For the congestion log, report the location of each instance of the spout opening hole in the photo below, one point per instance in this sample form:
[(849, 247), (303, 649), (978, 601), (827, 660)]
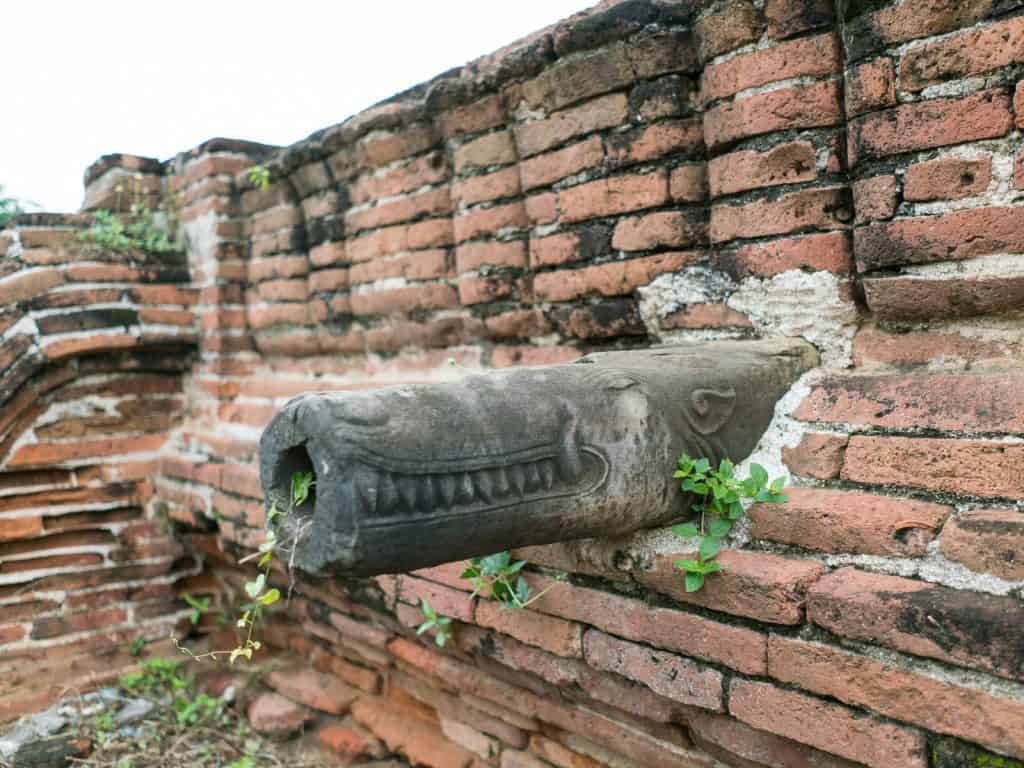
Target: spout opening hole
[(291, 463)]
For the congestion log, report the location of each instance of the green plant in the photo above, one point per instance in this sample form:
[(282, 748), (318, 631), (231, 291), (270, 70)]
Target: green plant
[(441, 624), (199, 606), (136, 646), (155, 675), (141, 229), (197, 709), (260, 597), (497, 577), (259, 177), (720, 494), (10, 207), (243, 762)]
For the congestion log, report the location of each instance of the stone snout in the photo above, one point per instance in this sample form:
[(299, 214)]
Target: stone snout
[(412, 476)]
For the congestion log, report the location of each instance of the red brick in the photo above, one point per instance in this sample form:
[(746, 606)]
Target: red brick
[(969, 53), (966, 628), (277, 314), (78, 622), (816, 455), (54, 453), (424, 234), (313, 689), (342, 740), (947, 179), (564, 247), (421, 296), (481, 290), (667, 137), (525, 323), (826, 208), (801, 106), (688, 183), (470, 256), (987, 541), (490, 221), (928, 702), (870, 87), (658, 230), (275, 715), (380, 148), (491, 149), (739, 23), (443, 332), (664, 673), (917, 18), (431, 202), (557, 636), (850, 521), (955, 235), (559, 755), (417, 172), (20, 528), (446, 601), (826, 726), (419, 265), (542, 170), (604, 112), (706, 316), (614, 195), (975, 467), (829, 252), (486, 113), (929, 124), (505, 357), (613, 279), (874, 198), (874, 346), (490, 186), (578, 77), (325, 254), (910, 298), (757, 585), (805, 57), (28, 284), (955, 401), (1018, 104), (328, 280), (792, 17), (749, 169), (730, 740), (414, 738), (736, 647), (542, 208)]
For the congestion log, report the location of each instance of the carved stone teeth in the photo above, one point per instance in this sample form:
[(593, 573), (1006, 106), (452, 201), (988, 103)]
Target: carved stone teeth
[(501, 485), (546, 467), (533, 481), (516, 478), (569, 464), (444, 489), (424, 493), (387, 494), (406, 485), (366, 492), (464, 488), (483, 485)]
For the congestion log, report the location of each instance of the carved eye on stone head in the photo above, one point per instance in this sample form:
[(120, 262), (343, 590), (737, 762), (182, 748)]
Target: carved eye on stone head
[(711, 408), (620, 381), (363, 411)]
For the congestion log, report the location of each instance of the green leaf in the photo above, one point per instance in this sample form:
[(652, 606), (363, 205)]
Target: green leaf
[(470, 573), (254, 588), (522, 590), (427, 609), (271, 597), (424, 627), (690, 566), (694, 581), (720, 527), (725, 468), (777, 484), (759, 475), (516, 566), (709, 547), (711, 566), (686, 530), (702, 466)]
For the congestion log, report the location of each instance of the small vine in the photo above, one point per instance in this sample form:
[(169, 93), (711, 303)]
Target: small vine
[(720, 494), (141, 228)]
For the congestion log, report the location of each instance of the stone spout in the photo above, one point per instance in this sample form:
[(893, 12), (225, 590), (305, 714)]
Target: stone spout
[(412, 476)]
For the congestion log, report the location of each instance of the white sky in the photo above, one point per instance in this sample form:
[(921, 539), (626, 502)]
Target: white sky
[(83, 79)]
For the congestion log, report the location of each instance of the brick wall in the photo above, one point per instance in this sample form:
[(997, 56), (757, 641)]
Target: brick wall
[(644, 172)]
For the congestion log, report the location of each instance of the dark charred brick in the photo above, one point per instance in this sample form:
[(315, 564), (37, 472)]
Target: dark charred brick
[(787, 18), (605, 319), (602, 27), (87, 319), (947, 752)]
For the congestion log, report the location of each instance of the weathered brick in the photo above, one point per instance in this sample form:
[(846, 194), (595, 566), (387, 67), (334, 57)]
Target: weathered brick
[(424, 234), (706, 316), (695, 636), (738, 23), (421, 296), (849, 521), (826, 208), (557, 636), (740, 171), (816, 455), (874, 198), (951, 236), (445, 600), (826, 726), (801, 106), (542, 208), (541, 170), (614, 195), (667, 137), (418, 265), (873, 346), (969, 53), (805, 57), (912, 298), (928, 702), (947, 178), (525, 323), (28, 284), (313, 689), (490, 221), (688, 183), (981, 402), (382, 147), (929, 124), (490, 186), (606, 319), (792, 17), (604, 112), (987, 541), (490, 149), (831, 252), (870, 87), (420, 741), (666, 674), (579, 245), (485, 289), (665, 229), (505, 357), (613, 279), (757, 585), (442, 332), (431, 202), (470, 256), (970, 629), (430, 168), (579, 77)]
